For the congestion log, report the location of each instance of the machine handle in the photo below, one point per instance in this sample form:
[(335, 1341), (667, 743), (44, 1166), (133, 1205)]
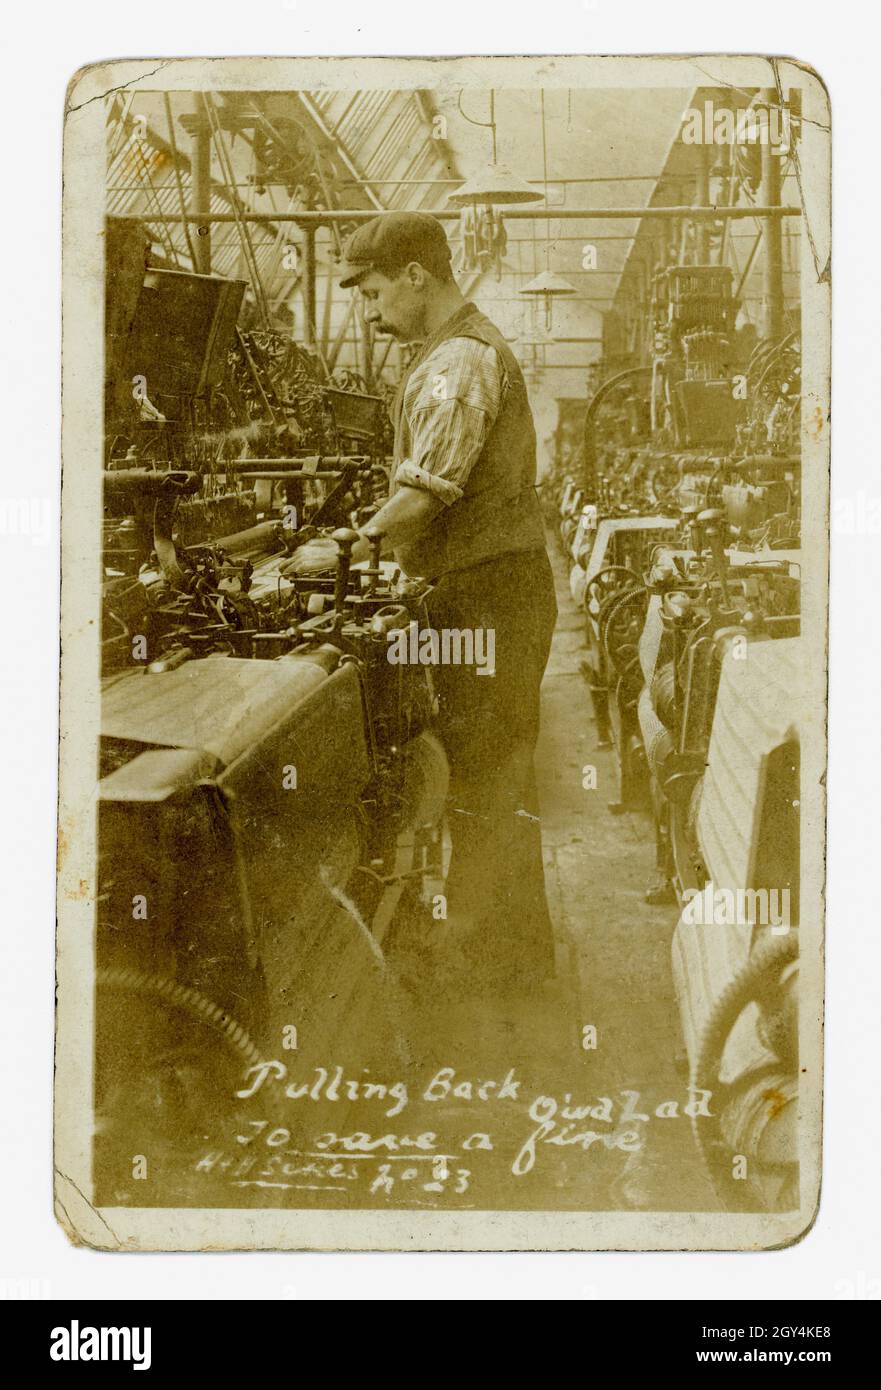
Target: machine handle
[(714, 521), (345, 539), (691, 516), (374, 568)]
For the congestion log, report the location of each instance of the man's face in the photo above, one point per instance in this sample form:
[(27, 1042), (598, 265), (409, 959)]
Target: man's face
[(396, 303)]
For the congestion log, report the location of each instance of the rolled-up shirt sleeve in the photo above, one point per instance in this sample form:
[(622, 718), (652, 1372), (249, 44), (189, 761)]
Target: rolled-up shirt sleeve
[(451, 404)]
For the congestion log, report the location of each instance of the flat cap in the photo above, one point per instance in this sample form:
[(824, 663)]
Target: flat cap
[(393, 240)]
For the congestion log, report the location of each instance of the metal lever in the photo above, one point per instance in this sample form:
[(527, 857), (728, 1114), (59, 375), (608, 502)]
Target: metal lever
[(374, 568), (713, 521), (690, 517), (345, 539)]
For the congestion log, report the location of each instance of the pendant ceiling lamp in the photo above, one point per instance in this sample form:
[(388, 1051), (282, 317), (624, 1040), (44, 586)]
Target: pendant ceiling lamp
[(493, 185), (548, 282), (547, 286)]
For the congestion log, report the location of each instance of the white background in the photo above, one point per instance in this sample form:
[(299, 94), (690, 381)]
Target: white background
[(42, 47)]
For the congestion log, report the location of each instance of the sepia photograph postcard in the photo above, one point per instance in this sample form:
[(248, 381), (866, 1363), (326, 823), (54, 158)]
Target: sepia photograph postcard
[(445, 529)]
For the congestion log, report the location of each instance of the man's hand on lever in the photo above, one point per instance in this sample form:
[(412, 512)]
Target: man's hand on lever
[(313, 557), (401, 518)]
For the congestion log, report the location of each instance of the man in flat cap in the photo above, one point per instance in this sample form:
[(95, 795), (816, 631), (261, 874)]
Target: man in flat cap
[(464, 515)]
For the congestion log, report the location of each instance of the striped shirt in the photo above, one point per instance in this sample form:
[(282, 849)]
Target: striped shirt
[(450, 404)]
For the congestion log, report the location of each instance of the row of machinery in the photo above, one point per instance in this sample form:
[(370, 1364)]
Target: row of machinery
[(675, 497), (270, 793)]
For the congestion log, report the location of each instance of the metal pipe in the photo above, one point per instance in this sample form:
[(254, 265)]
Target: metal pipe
[(327, 310), (450, 183), (328, 215), (596, 178), (200, 165), (240, 464), (772, 299), (309, 300), (177, 178), (702, 198)]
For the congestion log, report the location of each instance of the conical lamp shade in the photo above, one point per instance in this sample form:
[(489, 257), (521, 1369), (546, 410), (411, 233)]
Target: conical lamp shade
[(548, 283), (494, 183)]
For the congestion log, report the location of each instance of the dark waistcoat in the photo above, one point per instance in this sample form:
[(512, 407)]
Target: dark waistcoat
[(498, 512)]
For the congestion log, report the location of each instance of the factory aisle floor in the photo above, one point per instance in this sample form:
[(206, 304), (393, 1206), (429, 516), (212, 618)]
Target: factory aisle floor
[(598, 866), (613, 976)]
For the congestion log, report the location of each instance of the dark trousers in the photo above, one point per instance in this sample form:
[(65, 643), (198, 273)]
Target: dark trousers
[(489, 727)]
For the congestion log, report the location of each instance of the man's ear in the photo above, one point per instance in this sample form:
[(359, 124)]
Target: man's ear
[(416, 275)]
